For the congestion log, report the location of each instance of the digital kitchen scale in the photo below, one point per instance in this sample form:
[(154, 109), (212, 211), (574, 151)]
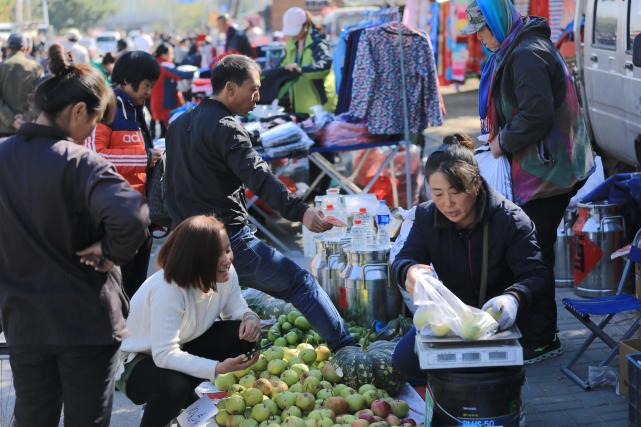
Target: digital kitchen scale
[(502, 349)]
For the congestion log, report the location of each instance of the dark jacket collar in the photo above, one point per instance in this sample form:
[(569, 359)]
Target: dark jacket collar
[(218, 104), (33, 130), (486, 202)]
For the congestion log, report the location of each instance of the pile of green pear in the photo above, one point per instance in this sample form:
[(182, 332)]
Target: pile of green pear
[(299, 387)]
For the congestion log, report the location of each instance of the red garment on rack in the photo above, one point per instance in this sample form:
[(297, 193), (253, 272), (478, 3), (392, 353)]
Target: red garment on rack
[(540, 8)]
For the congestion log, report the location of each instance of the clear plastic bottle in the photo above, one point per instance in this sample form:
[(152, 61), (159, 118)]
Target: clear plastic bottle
[(328, 210), (337, 200), (383, 216), (356, 234), (369, 232)]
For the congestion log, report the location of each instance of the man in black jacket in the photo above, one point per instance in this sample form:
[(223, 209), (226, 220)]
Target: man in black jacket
[(210, 159), (236, 41)]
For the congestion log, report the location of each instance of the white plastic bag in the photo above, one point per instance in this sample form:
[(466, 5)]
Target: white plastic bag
[(593, 181), (497, 172), (441, 313)]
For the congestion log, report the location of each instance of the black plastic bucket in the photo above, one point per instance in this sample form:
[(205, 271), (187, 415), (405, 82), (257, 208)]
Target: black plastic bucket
[(487, 397)]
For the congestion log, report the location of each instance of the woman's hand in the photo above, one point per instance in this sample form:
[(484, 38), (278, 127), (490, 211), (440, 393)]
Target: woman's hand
[(236, 363), (155, 155), (294, 68), (92, 256), (495, 147), (249, 328), (413, 273)]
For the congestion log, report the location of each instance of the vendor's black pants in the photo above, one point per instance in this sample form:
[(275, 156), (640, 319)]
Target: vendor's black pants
[(134, 273), (538, 322), (45, 377), (166, 392)]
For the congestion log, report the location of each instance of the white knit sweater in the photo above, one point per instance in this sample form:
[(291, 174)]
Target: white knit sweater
[(164, 316)]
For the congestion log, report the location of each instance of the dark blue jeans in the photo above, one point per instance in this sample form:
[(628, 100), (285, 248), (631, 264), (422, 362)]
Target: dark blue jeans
[(261, 267), (405, 359)]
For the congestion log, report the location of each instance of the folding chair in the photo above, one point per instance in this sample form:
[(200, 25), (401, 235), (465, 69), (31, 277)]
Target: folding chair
[(605, 306)]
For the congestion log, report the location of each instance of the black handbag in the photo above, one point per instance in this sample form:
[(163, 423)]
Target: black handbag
[(156, 200)]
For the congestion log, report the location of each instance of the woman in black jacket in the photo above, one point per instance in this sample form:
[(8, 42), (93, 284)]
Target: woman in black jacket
[(67, 218), (529, 107), (448, 236)]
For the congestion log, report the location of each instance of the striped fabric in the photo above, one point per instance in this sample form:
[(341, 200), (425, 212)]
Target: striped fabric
[(122, 143), (556, 14)]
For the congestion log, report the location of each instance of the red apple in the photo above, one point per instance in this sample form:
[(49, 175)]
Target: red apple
[(381, 408)]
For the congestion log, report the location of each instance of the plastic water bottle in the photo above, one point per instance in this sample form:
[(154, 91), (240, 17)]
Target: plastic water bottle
[(383, 216), (328, 210), (369, 233), (340, 212), (356, 234)]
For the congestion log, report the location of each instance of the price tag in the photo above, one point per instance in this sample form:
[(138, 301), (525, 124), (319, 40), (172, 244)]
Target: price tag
[(198, 413)]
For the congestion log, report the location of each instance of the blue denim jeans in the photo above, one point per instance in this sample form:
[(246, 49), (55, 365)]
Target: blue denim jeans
[(405, 359), (262, 267)]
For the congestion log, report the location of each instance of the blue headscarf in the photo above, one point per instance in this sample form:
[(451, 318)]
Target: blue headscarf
[(505, 22)]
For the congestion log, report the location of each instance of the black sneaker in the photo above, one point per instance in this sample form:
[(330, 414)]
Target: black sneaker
[(548, 351)]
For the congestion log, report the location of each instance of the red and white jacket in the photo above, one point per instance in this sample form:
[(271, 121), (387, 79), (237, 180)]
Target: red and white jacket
[(122, 143)]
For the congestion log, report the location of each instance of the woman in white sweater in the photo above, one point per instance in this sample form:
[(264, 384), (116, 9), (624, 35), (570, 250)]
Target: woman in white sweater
[(188, 322)]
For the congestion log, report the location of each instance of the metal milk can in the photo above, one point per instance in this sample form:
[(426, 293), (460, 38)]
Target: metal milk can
[(318, 265), (564, 251), (599, 230), (336, 263), (326, 249), (367, 294)]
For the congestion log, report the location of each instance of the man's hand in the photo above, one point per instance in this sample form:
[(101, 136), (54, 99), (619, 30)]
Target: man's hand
[(313, 220), (295, 68), (413, 273), (92, 256), (495, 148)]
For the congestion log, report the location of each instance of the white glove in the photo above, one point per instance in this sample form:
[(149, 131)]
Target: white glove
[(507, 305)]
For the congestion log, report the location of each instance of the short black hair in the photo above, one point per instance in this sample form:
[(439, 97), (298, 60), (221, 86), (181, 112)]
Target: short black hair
[(133, 67), (232, 68), (162, 49)]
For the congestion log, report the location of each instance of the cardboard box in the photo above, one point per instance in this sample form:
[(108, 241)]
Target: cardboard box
[(626, 347)]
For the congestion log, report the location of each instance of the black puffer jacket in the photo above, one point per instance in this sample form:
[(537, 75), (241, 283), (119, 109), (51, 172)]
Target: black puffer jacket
[(515, 262)]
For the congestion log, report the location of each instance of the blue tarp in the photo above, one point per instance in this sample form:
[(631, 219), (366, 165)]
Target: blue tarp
[(621, 189)]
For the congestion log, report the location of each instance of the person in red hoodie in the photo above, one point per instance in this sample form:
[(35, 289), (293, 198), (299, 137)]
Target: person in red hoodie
[(126, 142), (165, 95)]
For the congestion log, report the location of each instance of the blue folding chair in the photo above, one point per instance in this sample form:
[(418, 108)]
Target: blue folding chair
[(608, 306)]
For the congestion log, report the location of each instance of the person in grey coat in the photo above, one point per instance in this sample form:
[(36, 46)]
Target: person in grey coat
[(19, 75)]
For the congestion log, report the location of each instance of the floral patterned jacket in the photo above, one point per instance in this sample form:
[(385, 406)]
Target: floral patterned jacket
[(376, 95)]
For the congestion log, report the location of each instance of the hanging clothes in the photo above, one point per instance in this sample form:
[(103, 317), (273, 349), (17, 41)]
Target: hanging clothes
[(540, 8), (522, 6), (377, 96), (555, 18), (345, 90)]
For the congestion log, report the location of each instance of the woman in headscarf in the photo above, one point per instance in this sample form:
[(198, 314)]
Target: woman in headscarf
[(529, 107)]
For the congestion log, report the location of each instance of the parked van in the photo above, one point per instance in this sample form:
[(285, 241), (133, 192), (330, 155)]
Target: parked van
[(107, 42), (609, 77)]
